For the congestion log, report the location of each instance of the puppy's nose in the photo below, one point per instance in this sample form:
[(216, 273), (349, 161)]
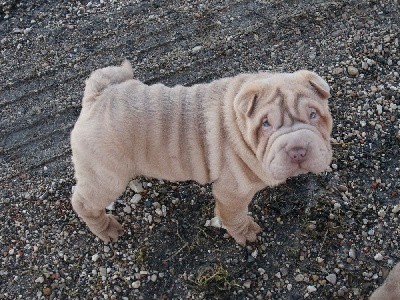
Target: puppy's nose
[(297, 154)]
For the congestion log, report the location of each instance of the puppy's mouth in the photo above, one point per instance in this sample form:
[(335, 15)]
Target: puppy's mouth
[(283, 172), (295, 153)]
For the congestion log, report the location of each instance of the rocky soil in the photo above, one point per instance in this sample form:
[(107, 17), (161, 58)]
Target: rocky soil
[(331, 236)]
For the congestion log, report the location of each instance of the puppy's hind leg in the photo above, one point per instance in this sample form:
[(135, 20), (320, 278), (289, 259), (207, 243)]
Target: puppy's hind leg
[(103, 225)]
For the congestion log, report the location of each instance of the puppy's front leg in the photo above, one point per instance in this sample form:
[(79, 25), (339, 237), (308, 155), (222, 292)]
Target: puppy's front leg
[(232, 210), (105, 226)]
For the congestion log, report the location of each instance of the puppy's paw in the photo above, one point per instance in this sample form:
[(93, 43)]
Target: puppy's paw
[(112, 231), (245, 231)]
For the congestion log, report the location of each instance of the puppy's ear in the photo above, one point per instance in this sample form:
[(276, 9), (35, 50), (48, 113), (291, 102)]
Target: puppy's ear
[(246, 100), (319, 85)]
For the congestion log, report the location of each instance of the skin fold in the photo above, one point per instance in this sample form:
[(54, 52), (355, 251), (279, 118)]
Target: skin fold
[(241, 133)]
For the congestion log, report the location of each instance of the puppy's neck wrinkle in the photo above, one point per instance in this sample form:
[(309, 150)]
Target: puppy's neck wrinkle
[(235, 135)]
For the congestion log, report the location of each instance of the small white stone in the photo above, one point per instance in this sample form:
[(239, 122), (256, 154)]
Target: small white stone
[(196, 49), (111, 206), (153, 278), (336, 206), (247, 284), (299, 277), (39, 279), (136, 284), (311, 289), (396, 209), (214, 222), (136, 198), (331, 278), (382, 213), (159, 212), (136, 186), (378, 257), (352, 253), (106, 249), (95, 257), (353, 71), (150, 219), (379, 109), (127, 209), (289, 287), (261, 271)]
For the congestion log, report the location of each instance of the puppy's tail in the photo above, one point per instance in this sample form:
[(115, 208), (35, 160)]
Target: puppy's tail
[(100, 79)]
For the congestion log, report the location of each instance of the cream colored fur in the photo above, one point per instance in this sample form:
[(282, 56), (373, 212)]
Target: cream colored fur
[(241, 133), (390, 289)]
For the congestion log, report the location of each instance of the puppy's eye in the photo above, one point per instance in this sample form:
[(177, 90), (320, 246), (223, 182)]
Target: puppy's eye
[(313, 115), (265, 123)]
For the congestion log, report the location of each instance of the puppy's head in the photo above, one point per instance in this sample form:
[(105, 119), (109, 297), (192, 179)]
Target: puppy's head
[(285, 121)]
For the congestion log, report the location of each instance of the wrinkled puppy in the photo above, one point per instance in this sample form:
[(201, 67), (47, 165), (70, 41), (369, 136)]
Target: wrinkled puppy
[(390, 289), (241, 133)]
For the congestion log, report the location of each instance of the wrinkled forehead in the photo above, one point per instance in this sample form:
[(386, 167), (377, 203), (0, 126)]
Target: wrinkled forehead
[(287, 95)]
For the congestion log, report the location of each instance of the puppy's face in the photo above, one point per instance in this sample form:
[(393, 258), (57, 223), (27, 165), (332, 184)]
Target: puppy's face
[(285, 121)]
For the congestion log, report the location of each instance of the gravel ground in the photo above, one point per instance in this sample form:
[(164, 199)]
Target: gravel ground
[(331, 236)]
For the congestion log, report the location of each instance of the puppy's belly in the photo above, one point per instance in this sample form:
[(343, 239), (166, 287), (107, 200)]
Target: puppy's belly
[(180, 166)]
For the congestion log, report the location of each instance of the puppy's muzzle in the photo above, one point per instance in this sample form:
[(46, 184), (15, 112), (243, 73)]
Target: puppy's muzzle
[(297, 154)]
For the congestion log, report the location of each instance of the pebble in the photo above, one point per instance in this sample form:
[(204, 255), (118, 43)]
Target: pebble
[(39, 279), (396, 209), (353, 71), (111, 206), (214, 222), (103, 271), (196, 49), (247, 284), (127, 209), (382, 213), (136, 284), (136, 198), (299, 277), (46, 291), (95, 257), (311, 289), (331, 278), (337, 71), (136, 186), (153, 278), (379, 109), (378, 257), (352, 253)]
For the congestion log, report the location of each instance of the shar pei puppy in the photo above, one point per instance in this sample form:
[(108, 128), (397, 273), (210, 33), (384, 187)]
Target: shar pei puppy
[(240, 133)]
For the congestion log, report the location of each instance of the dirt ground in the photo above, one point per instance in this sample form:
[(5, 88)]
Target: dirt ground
[(328, 236)]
